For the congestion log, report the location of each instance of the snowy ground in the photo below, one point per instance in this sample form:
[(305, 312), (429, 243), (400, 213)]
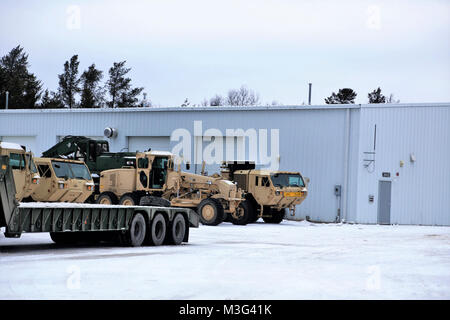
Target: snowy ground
[(294, 260)]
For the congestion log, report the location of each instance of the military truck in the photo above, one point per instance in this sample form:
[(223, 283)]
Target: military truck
[(23, 167), (95, 153), (72, 223), (156, 182), (268, 193), (63, 180), (121, 180)]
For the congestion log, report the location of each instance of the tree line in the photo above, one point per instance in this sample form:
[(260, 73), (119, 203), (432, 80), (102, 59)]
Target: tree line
[(86, 90), (74, 90)]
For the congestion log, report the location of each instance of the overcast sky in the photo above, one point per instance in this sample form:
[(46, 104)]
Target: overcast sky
[(194, 49)]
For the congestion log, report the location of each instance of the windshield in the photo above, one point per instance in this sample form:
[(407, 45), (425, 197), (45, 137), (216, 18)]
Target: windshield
[(69, 170), (31, 164), (287, 180)]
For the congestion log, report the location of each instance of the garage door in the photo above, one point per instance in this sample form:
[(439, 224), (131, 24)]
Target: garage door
[(28, 141), (144, 143)]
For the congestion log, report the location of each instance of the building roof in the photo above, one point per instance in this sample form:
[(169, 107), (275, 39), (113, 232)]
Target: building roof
[(232, 108)]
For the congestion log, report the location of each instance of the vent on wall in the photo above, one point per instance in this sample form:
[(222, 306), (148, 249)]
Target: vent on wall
[(110, 132)]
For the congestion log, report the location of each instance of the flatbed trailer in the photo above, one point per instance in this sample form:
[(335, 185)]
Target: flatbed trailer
[(72, 223)]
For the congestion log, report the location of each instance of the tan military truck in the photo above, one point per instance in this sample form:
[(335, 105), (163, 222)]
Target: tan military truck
[(26, 176), (268, 193), (154, 181), (63, 180)]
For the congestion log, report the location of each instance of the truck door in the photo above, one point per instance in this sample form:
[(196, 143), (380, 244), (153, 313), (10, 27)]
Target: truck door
[(17, 163), (158, 173), (262, 188), (142, 178)]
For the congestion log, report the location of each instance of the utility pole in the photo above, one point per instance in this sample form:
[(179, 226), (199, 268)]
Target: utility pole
[(7, 96), (309, 95)]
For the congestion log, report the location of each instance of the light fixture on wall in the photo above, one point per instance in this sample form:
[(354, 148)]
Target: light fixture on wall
[(110, 132)]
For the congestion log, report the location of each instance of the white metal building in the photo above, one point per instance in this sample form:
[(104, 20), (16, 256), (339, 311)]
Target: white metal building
[(390, 161)]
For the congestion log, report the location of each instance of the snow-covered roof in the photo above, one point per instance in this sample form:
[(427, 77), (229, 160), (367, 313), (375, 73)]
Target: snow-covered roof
[(10, 145), (161, 153)]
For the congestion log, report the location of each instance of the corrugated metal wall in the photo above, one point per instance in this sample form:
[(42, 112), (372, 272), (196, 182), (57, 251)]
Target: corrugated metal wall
[(326, 144), (421, 191)]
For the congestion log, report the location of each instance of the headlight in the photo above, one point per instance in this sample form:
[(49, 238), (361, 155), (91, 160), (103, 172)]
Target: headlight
[(61, 185), (35, 180), (277, 193)]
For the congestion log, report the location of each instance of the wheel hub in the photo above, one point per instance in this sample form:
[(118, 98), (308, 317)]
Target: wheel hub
[(127, 202), (105, 201), (208, 212)]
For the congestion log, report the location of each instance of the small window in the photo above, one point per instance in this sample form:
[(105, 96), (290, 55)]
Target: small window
[(44, 171), (143, 163), (265, 182), (17, 161)]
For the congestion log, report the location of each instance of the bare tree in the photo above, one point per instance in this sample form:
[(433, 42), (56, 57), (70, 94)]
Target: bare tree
[(216, 101), (242, 97), (391, 99)]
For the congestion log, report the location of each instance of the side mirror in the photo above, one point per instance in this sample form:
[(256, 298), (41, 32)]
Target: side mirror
[(188, 166), (307, 180)]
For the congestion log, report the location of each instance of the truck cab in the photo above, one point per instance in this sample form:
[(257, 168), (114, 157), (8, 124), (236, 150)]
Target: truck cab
[(125, 185), (269, 192), (26, 176), (63, 180)]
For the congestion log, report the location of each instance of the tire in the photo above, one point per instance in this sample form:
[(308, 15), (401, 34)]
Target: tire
[(138, 230), (157, 233), (129, 199), (107, 198), (277, 216), (176, 230), (64, 238), (254, 216), (210, 211), (154, 201), (245, 212), (226, 217)]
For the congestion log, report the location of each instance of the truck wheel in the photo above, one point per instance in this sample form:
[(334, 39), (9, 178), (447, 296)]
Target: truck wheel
[(226, 217), (154, 201), (243, 213), (210, 211), (277, 216), (107, 198), (177, 230), (138, 230), (64, 237), (157, 232), (254, 216), (129, 199)]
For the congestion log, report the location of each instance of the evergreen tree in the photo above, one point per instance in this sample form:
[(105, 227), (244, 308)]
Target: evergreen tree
[(91, 93), (376, 97), (119, 87), (344, 96), (51, 100), (23, 87), (69, 82)]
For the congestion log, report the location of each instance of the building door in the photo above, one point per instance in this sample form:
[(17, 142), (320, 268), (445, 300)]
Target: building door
[(384, 202)]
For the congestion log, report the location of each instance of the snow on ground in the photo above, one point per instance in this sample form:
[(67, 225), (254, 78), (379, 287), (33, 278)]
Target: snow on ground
[(293, 260)]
